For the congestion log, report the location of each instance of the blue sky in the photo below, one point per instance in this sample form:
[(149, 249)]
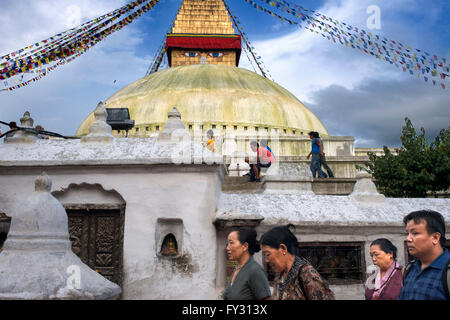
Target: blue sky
[(352, 93)]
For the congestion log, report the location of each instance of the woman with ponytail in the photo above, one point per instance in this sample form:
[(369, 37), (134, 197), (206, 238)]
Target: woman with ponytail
[(296, 279), (248, 281)]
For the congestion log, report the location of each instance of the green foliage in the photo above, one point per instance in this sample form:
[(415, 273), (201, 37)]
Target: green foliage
[(418, 167)]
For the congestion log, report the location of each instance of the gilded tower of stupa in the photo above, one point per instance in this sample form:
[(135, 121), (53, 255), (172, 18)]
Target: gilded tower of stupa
[(203, 34), (210, 91)]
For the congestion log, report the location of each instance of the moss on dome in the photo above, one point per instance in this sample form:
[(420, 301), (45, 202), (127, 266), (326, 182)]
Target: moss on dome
[(207, 94)]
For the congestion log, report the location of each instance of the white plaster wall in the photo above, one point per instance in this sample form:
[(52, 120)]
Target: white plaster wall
[(149, 194)]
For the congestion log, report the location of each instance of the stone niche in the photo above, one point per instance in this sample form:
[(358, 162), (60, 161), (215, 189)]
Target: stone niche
[(169, 238)]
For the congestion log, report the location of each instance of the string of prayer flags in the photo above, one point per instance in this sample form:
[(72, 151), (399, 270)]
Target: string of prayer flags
[(356, 38), (70, 51), (60, 37), (23, 65), (265, 73)]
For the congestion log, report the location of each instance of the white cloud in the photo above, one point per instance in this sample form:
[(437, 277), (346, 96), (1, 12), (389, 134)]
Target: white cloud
[(62, 100)]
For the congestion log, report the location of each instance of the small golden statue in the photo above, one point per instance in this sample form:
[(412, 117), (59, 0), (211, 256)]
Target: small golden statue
[(169, 247)]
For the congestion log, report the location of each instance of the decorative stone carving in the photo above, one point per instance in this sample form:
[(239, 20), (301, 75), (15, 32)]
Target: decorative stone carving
[(22, 136), (99, 131), (174, 130), (365, 189), (37, 261), (288, 178)]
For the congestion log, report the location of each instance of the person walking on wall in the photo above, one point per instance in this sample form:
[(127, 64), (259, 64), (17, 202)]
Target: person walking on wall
[(323, 161), (316, 154)]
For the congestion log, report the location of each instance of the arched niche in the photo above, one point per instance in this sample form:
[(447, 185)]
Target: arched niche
[(169, 238)]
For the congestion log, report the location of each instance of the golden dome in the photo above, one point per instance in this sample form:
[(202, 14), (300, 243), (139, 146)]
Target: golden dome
[(212, 95)]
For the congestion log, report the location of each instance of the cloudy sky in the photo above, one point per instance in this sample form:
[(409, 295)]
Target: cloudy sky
[(352, 93)]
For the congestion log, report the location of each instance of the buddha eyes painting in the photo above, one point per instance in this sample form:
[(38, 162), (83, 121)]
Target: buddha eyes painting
[(191, 54), (215, 54), (209, 54)]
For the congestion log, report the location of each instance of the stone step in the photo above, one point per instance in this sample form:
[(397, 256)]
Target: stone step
[(240, 185)]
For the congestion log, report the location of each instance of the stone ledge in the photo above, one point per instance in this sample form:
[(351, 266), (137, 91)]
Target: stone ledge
[(333, 186)]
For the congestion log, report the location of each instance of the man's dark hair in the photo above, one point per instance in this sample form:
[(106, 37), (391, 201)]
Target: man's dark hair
[(434, 222), (281, 235), (386, 246), (315, 134), (210, 133), (254, 143), (12, 125)]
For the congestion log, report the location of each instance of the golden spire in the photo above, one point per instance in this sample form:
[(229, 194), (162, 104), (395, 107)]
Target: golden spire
[(203, 17), (203, 34)]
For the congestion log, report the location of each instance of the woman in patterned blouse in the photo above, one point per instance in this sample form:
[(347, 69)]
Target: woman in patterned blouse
[(296, 279)]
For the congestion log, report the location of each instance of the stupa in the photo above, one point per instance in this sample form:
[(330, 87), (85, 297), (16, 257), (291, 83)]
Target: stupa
[(207, 86)]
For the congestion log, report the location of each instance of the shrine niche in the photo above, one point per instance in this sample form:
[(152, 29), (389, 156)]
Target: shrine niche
[(169, 246), (169, 237)]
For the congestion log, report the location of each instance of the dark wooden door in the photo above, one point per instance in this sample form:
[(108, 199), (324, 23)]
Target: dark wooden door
[(97, 239)]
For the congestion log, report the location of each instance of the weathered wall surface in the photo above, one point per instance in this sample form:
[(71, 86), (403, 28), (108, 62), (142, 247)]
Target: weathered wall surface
[(140, 174), (149, 193)]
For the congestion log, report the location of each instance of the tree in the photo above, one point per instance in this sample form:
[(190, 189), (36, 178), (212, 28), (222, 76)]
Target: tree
[(418, 167)]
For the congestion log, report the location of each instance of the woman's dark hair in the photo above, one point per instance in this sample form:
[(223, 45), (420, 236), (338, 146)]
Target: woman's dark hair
[(386, 246), (281, 235), (434, 222), (249, 235)]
